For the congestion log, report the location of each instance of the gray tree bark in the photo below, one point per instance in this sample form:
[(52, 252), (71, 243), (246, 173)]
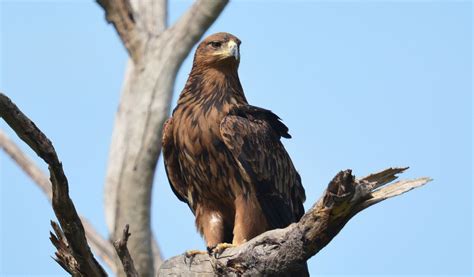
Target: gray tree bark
[(156, 53)]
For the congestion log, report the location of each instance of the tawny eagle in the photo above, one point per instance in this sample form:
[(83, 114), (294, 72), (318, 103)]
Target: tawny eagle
[(223, 157)]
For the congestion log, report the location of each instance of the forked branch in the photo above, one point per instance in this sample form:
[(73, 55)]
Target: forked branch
[(73, 252), (120, 13), (102, 247), (124, 255)]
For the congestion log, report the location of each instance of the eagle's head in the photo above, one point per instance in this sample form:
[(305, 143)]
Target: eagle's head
[(218, 50)]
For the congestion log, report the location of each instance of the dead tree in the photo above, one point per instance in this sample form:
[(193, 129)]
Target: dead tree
[(156, 52)]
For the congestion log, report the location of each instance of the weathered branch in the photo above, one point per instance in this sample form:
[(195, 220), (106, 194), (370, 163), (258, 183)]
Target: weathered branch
[(122, 16), (103, 248), (71, 225), (122, 251), (282, 252), (64, 256), (144, 106)]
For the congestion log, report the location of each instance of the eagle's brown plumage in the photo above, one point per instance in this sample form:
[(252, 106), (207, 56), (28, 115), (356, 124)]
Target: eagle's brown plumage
[(223, 157)]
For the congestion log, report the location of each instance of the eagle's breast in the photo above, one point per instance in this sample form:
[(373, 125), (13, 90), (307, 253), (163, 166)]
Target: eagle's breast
[(208, 167)]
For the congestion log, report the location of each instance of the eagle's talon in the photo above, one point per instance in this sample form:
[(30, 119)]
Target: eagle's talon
[(210, 249), (220, 248)]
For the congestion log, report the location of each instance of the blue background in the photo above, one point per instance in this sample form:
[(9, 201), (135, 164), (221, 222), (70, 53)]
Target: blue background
[(361, 84)]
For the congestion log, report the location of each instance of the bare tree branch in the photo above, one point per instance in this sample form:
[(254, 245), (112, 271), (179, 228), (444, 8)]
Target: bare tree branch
[(122, 251), (64, 256), (122, 16), (63, 206), (103, 248), (136, 22), (160, 15), (284, 252)]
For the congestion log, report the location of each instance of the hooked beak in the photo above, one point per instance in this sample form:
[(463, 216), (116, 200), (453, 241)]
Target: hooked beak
[(233, 49)]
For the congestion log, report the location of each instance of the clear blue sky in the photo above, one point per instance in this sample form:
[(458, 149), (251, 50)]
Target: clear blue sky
[(361, 84)]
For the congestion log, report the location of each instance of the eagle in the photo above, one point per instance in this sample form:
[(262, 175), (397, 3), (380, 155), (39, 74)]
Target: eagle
[(223, 157)]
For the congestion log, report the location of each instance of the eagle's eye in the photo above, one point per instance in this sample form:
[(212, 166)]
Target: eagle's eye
[(215, 44)]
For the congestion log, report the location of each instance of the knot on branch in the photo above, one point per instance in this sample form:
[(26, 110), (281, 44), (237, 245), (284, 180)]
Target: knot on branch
[(340, 188), (344, 193)]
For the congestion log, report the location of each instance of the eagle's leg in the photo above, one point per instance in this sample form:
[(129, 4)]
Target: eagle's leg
[(248, 223), (249, 219), (210, 224)]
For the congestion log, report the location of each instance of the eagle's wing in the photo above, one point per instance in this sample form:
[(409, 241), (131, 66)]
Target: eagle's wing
[(253, 135), (172, 167)]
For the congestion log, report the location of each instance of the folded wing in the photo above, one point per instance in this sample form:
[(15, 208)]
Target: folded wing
[(253, 135)]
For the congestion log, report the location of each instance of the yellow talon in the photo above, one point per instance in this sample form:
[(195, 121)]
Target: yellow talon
[(221, 247)]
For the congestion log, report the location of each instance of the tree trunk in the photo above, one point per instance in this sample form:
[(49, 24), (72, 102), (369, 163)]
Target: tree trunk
[(156, 53)]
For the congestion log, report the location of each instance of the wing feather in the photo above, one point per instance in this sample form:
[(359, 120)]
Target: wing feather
[(172, 166), (253, 135)]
